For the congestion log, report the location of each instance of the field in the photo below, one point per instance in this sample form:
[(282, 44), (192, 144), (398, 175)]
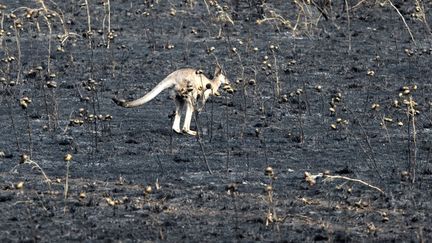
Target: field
[(325, 135)]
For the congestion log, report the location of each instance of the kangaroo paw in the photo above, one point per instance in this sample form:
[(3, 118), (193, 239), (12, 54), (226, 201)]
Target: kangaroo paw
[(190, 132), (177, 130)]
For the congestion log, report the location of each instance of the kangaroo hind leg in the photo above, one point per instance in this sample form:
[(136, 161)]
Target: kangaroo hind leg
[(188, 117), (179, 102)]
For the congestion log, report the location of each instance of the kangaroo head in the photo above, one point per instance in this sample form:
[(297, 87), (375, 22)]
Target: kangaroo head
[(219, 77)]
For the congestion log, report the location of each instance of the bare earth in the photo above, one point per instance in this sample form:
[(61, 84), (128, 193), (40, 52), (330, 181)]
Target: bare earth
[(349, 95)]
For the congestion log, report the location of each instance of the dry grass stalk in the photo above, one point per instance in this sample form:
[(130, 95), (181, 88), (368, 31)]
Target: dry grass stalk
[(311, 179), (403, 19)]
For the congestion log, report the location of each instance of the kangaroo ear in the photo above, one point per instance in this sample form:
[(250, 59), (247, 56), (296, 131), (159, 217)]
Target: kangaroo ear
[(218, 70)]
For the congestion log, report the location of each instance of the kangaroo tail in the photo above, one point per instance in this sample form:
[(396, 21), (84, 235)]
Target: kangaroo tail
[(164, 84)]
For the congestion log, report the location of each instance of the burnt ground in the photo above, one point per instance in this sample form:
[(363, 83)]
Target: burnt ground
[(345, 83)]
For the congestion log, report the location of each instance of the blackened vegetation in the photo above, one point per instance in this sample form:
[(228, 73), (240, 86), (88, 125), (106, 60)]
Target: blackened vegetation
[(338, 89)]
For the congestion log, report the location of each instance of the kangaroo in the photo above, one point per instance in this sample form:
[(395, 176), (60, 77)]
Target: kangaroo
[(187, 87)]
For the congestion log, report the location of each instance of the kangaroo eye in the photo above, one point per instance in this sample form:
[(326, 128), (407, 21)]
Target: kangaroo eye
[(208, 86)]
